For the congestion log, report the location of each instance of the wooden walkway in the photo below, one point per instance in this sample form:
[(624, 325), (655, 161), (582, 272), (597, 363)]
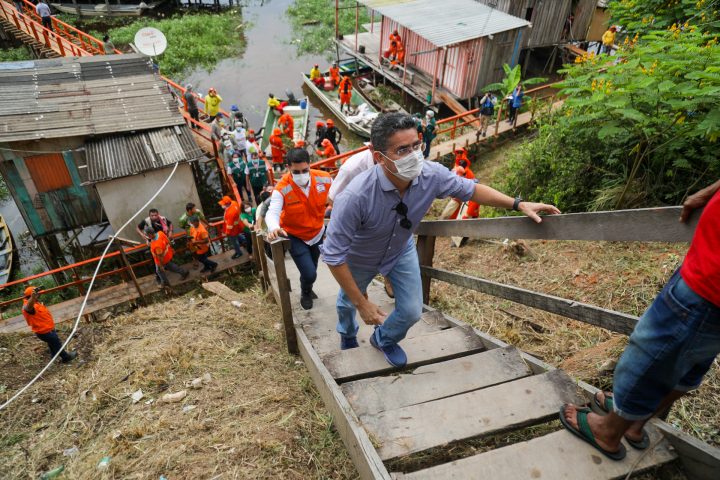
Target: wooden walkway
[(458, 385)]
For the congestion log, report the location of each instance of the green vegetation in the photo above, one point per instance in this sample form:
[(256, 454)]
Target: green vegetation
[(15, 54), (513, 77), (313, 22), (638, 16), (199, 40), (641, 130)]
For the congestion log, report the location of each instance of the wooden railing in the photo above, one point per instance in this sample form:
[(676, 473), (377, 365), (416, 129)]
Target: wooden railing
[(642, 225)]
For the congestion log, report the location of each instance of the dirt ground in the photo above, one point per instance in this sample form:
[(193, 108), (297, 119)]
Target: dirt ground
[(259, 416)]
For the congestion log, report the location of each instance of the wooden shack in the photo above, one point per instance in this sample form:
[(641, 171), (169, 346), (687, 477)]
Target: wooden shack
[(454, 47), (52, 110)]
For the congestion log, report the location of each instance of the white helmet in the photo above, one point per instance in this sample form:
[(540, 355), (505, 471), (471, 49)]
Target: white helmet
[(430, 114)]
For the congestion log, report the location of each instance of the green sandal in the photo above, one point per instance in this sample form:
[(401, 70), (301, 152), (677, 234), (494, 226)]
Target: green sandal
[(584, 433), (605, 407)]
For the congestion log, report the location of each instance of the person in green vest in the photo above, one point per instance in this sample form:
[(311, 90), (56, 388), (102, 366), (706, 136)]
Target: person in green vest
[(247, 217), (256, 176), (236, 167)]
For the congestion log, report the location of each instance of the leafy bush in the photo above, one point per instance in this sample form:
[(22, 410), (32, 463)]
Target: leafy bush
[(15, 54), (638, 129), (313, 23), (193, 40)]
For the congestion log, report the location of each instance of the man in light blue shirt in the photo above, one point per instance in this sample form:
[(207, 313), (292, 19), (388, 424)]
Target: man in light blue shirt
[(372, 225)]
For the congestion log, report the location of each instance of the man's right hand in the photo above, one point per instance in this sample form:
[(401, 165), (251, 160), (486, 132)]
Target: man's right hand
[(698, 200), (371, 313), (279, 232)]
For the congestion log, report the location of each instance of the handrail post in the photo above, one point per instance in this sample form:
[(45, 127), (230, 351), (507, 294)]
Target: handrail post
[(278, 255), (452, 135), (130, 270), (426, 252), (262, 261), (499, 119)]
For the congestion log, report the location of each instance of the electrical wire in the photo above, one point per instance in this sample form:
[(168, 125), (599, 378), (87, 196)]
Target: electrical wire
[(87, 294), (80, 149)]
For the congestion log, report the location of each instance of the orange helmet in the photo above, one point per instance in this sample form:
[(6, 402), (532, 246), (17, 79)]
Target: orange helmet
[(319, 124), (326, 142), (299, 143), (277, 132), (225, 201), (330, 122), (460, 150)]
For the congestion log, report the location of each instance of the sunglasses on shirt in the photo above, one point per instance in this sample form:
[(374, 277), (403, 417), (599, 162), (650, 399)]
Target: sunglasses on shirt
[(402, 209)]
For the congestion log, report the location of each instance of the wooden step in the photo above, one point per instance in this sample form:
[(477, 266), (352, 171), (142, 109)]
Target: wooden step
[(559, 455), (438, 380), (367, 361), (508, 406), (325, 339)]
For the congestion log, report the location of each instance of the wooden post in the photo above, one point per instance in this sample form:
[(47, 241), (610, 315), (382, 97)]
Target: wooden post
[(130, 270), (278, 255), (499, 118), (426, 252), (372, 21), (259, 249), (380, 50), (357, 24), (337, 19), (434, 83)]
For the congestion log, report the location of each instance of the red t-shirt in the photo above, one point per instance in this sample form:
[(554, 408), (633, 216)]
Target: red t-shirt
[(701, 268)]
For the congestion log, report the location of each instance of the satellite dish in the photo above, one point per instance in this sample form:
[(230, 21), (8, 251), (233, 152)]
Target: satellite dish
[(150, 41)]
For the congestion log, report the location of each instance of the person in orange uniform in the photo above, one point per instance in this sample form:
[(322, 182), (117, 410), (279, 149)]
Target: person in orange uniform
[(461, 155), (200, 244), (399, 55), (41, 322), (162, 253), (345, 92), (473, 210), (297, 211), (327, 150), (335, 75), (277, 147), (287, 125), (391, 52), (232, 226)]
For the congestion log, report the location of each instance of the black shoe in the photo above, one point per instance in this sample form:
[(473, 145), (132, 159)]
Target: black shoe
[(236, 256), (70, 357), (346, 343), (213, 268), (313, 295), (306, 301), (183, 276)]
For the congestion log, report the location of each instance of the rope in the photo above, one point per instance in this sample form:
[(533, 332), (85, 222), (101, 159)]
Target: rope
[(87, 294)]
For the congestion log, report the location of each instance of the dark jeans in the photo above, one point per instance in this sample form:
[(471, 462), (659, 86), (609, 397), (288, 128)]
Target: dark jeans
[(47, 23), (54, 344), (426, 149), (207, 263), (171, 267), (237, 241), (257, 191), (195, 115), (513, 114), (306, 259)]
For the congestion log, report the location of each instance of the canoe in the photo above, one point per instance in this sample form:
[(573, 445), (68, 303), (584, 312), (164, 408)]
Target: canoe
[(363, 111), (101, 9), (300, 117), (6, 252)]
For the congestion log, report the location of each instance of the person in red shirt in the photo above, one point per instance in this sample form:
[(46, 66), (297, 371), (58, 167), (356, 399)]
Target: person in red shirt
[(671, 349), (232, 226), (41, 322), (162, 253)]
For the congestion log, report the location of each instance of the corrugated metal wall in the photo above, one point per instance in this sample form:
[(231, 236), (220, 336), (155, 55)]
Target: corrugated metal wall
[(547, 16), (497, 52), (583, 12)]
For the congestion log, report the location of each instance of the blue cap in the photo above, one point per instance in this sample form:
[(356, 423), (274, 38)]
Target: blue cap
[(234, 108)]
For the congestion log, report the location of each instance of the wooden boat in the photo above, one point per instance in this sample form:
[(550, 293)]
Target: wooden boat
[(105, 9), (6, 252), (363, 111), (300, 117)]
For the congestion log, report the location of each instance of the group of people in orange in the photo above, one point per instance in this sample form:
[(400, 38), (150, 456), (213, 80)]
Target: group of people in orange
[(462, 169), (396, 52), (332, 81)]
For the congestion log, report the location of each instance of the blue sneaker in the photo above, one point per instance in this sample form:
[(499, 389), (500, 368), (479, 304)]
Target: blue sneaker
[(346, 343), (394, 354)]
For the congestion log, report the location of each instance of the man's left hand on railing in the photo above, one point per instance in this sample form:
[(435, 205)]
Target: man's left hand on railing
[(533, 210)]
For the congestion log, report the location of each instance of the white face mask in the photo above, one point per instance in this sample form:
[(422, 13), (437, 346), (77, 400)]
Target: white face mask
[(248, 210), (408, 167), (301, 179)]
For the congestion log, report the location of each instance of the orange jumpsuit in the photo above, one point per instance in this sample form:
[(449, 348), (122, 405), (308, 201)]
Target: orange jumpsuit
[(328, 150), (460, 155), (335, 76), (392, 50), (400, 51), (287, 124), (276, 144), (345, 91), (473, 210)]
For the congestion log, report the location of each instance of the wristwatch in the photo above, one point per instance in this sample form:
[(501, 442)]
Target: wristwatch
[(516, 203)]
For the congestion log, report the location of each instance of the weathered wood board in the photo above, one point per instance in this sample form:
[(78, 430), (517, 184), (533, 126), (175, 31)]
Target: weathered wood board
[(438, 380), (527, 401)]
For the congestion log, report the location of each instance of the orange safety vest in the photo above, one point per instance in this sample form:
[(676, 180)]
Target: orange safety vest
[(395, 38), (460, 157), (41, 321), (233, 226), (303, 216), (278, 152), (200, 236), (160, 247)]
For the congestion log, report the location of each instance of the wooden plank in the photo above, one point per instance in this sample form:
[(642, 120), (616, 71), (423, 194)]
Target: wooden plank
[(700, 460), (118, 294), (438, 380), (559, 455), (222, 291), (367, 361), (507, 406), (601, 317), (277, 249), (643, 225), (356, 440), (325, 339)]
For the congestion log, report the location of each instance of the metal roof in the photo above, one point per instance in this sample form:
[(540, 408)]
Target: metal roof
[(82, 96), (120, 156), (447, 22)]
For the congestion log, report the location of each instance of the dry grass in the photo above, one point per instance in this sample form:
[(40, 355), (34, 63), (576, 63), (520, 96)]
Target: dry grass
[(259, 417)]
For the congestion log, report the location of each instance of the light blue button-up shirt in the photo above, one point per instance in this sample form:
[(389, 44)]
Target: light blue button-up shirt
[(365, 231)]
